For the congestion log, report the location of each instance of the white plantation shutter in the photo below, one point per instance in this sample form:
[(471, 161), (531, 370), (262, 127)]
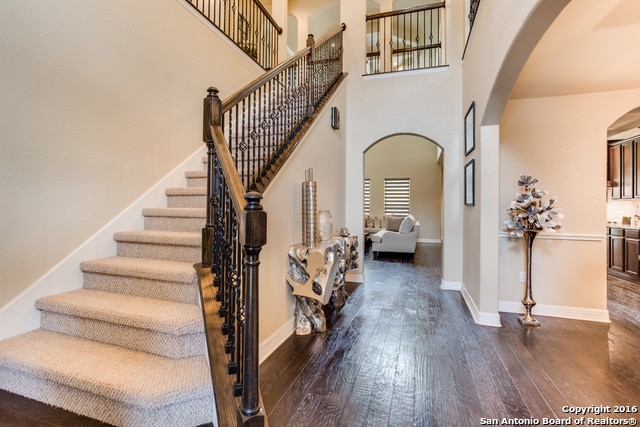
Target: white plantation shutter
[(367, 196), (396, 196)]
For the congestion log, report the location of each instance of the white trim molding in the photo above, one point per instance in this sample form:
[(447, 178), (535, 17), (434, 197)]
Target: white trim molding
[(450, 286), (276, 339), (439, 241), (576, 313), (20, 314), (353, 277), (484, 319), (559, 236)]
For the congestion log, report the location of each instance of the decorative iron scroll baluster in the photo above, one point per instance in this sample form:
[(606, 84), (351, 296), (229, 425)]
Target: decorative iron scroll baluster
[(245, 136), (473, 11), (261, 121), (406, 39), (247, 23)]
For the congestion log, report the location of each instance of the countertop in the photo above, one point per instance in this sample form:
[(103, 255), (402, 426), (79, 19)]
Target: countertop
[(616, 225)]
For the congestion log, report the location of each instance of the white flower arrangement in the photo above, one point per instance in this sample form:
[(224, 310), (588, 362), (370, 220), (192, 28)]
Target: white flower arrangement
[(529, 212)]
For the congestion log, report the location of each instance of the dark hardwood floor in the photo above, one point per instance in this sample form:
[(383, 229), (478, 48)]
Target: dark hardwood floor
[(403, 352)]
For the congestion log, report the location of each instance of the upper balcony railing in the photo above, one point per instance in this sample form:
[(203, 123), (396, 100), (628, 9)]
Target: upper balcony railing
[(408, 39), (248, 24)]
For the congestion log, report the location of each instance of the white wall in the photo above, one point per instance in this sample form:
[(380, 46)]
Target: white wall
[(408, 156), (424, 103), (561, 141), (99, 101), (323, 150), (499, 44)]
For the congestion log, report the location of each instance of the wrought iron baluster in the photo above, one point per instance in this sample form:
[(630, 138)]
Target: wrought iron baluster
[(218, 204), (258, 125), (239, 316)]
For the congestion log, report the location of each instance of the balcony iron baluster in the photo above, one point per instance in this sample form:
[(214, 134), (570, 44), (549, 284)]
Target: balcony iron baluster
[(400, 40), (247, 23)]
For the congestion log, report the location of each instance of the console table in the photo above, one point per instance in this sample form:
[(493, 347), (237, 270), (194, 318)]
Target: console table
[(317, 277)]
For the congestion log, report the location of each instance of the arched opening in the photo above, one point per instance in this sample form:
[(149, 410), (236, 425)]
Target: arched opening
[(623, 196), (555, 126), (411, 160)]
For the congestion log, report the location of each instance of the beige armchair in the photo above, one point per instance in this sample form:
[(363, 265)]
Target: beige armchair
[(400, 236)]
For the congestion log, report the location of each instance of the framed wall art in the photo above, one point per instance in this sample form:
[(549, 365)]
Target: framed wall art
[(470, 183), (470, 129)]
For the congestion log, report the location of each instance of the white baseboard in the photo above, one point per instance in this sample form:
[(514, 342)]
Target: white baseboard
[(20, 315), (576, 313), (429, 240), (276, 339), (450, 286), (485, 319), (352, 277)]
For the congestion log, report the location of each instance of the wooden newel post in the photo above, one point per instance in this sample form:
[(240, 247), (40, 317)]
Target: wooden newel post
[(311, 43), (253, 235), (211, 116)]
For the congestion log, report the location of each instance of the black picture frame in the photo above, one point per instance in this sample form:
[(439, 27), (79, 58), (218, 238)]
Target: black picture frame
[(470, 183), (470, 129)]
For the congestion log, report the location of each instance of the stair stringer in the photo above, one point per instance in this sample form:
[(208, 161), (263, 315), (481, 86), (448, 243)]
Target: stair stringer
[(20, 314)]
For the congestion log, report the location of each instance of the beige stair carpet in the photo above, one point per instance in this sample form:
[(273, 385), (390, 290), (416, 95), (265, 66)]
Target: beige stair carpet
[(128, 348)]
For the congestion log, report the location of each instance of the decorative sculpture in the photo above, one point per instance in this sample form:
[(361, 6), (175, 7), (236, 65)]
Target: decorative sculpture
[(317, 266), (529, 215)]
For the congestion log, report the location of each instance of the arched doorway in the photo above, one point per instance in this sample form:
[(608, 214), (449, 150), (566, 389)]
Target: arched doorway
[(416, 161)]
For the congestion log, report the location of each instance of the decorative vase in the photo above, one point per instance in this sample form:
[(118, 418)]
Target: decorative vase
[(325, 224), (527, 319)]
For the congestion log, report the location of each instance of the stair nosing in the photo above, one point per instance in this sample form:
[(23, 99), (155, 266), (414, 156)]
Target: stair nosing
[(142, 268), (156, 315), (159, 237), (86, 370)]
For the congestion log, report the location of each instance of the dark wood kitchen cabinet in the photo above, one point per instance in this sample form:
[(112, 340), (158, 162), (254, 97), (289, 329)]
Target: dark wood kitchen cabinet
[(614, 171), (616, 250), (623, 168), (627, 170), (631, 252), (623, 249)]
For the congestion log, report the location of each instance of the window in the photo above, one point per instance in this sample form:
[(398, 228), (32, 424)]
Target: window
[(367, 196), (396, 196)]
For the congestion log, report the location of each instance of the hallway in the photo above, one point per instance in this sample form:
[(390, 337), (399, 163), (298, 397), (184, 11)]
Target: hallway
[(404, 352)]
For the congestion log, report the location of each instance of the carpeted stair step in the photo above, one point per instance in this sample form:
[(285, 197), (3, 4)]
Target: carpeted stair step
[(174, 219), (182, 246), (113, 384), (169, 280), (162, 327), (197, 178), (186, 197)]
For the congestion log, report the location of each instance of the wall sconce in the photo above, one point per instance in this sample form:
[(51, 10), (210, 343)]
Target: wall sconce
[(335, 118)]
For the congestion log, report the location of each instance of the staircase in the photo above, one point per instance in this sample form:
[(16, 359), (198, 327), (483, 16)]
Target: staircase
[(129, 347)]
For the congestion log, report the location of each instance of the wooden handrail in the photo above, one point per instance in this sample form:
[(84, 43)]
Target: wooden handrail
[(407, 39), (233, 100), (268, 15), (405, 11), (248, 138), (247, 24), (231, 176)]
